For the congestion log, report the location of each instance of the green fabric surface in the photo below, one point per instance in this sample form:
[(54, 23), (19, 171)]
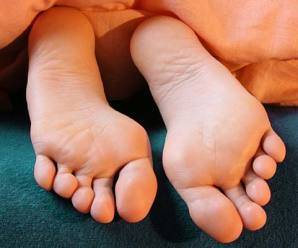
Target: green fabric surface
[(32, 217)]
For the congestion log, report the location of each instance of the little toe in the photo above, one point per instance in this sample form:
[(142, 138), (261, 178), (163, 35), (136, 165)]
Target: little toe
[(65, 183), (135, 190), (213, 212), (274, 146), (256, 188), (264, 166), (44, 172), (253, 216), (83, 196), (103, 206)]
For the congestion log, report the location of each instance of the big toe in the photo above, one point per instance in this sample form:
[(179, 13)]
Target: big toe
[(213, 212), (135, 190), (44, 172), (274, 146), (253, 216)]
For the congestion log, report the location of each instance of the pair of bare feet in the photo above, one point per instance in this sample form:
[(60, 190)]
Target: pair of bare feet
[(220, 147)]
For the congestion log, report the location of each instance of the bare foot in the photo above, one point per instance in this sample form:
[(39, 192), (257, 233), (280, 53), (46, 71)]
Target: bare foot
[(80, 142), (220, 145)]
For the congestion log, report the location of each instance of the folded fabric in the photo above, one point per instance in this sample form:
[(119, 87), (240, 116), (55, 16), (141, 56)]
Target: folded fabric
[(256, 40), (17, 15)]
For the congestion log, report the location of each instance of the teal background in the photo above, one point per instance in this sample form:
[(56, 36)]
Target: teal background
[(31, 217)]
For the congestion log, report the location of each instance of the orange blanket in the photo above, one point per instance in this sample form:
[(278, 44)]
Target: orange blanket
[(256, 40)]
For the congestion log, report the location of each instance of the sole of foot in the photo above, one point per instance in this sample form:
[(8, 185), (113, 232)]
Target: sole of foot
[(220, 146)]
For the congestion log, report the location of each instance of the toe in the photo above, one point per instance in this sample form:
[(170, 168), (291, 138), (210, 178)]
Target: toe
[(213, 212), (103, 206), (253, 216), (65, 183), (264, 166), (83, 196), (135, 190), (44, 172), (274, 146), (256, 188)]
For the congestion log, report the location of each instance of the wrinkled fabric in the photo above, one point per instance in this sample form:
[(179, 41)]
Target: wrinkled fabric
[(256, 40), (17, 15), (16, 18)]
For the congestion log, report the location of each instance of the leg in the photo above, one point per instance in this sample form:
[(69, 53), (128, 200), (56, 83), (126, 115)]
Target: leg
[(219, 136), (79, 140)]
